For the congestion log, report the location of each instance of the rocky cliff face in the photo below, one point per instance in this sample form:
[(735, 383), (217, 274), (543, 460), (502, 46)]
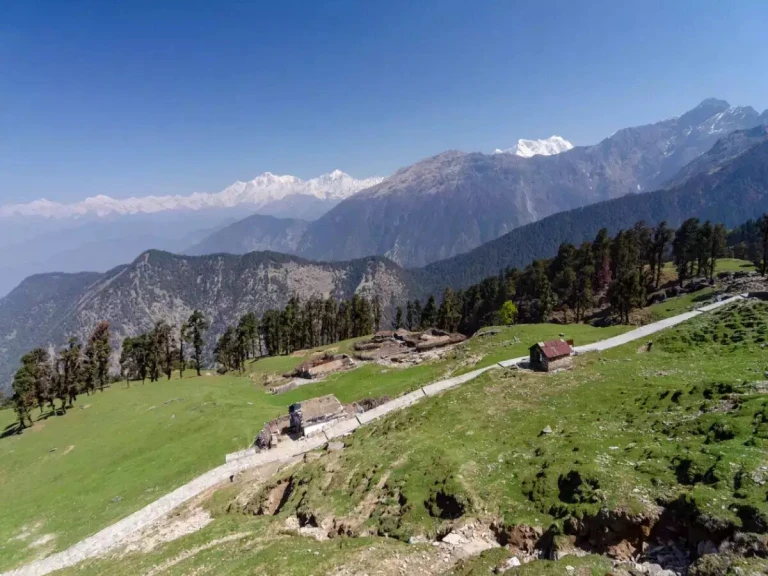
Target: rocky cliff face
[(47, 309), (454, 202)]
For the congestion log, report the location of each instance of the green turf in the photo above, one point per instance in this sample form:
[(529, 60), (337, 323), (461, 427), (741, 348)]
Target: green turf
[(132, 445), (275, 366), (679, 304), (685, 423), (733, 265)]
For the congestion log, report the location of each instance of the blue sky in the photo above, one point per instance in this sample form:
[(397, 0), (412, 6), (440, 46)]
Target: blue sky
[(134, 98)]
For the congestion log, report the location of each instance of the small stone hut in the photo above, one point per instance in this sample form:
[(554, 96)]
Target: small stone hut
[(310, 417), (552, 355)]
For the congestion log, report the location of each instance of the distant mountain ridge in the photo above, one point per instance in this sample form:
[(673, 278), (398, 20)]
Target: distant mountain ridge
[(257, 193), (454, 202), (255, 233), (45, 309), (728, 191)]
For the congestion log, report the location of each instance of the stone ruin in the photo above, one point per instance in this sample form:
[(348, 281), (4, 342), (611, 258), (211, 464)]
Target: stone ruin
[(311, 370), (271, 434), (310, 417), (402, 346), (320, 366)]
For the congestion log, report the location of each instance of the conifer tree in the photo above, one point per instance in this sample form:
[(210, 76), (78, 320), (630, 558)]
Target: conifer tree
[(764, 238), (71, 368), (601, 251), (662, 236), (398, 321), (429, 314), (197, 326), (410, 317)]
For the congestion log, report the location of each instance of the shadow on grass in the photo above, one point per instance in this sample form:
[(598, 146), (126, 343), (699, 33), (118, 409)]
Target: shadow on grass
[(11, 430)]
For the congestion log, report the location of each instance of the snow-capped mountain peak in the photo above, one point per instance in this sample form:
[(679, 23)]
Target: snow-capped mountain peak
[(546, 147), (262, 190)]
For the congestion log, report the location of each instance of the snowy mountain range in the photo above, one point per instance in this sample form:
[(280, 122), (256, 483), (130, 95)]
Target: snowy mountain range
[(263, 190), (546, 147)]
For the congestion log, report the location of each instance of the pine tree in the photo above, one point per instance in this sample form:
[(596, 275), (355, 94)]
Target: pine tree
[(71, 367), (562, 270), (585, 271), (142, 350), (36, 363), (449, 314), (224, 349), (249, 326), (684, 248), (764, 238), (24, 393), (197, 326), (417, 316), (601, 252), (127, 361), (429, 314), (398, 322), (165, 347), (716, 248), (626, 293), (97, 353), (182, 354), (662, 236), (410, 317)]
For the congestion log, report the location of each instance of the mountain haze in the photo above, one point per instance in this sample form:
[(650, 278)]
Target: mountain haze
[(257, 232), (257, 193), (102, 232)]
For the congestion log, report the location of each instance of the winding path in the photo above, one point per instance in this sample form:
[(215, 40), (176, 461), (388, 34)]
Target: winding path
[(112, 536)]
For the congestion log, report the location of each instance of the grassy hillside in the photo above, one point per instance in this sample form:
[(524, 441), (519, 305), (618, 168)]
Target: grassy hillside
[(119, 450), (684, 426)]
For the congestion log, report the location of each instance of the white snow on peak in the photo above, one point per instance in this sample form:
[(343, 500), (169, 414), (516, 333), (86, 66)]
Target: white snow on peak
[(725, 121), (258, 192), (546, 147)]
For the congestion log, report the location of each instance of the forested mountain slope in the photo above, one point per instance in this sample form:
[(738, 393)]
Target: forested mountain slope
[(47, 309), (735, 192), (453, 202)]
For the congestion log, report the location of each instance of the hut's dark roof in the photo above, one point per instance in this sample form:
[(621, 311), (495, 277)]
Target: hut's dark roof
[(553, 349)]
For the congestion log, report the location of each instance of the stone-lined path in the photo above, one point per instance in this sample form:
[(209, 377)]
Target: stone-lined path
[(112, 536)]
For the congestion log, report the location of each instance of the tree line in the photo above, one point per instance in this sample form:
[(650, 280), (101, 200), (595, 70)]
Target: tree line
[(614, 271), (162, 350), (749, 241), (317, 321), (45, 377)]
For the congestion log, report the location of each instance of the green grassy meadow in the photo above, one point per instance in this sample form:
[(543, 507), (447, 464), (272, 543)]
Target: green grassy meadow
[(684, 425), (119, 450)]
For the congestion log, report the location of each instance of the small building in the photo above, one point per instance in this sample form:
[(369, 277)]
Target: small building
[(552, 355), (310, 417)]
